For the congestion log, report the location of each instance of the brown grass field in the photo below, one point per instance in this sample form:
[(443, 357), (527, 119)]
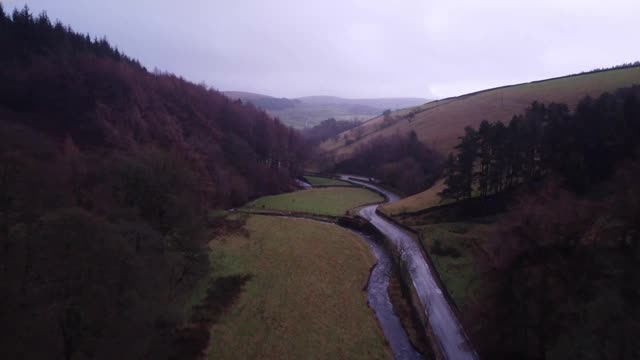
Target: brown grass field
[(306, 299), (440, 123), (419, 201)]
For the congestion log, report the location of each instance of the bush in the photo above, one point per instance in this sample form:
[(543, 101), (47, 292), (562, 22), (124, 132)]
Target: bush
[(440, 250)]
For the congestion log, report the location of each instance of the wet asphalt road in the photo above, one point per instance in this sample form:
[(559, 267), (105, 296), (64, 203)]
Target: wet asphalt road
[(446, 327)]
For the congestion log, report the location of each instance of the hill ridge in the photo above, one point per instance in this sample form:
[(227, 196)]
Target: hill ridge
[(440, 122)]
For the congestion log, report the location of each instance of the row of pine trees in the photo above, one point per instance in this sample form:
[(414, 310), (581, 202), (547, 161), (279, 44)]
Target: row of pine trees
[(581, 147)]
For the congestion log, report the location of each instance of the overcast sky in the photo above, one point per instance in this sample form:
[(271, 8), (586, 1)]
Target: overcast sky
[(360, 48)]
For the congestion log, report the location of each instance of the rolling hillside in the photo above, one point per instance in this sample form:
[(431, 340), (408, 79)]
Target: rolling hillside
[(311, 110), (440, 123)]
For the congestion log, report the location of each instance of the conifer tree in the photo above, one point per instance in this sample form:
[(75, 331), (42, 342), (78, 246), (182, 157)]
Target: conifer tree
[(453, 183), (485, 146), (498, 170), (467, 153)]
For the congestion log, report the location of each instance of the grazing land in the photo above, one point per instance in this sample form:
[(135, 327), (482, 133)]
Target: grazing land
[(305, 298), (323, 181), (323, 201), (454, 248), (440, 123)]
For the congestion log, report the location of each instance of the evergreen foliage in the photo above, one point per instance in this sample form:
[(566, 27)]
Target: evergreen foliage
[(582, 147)]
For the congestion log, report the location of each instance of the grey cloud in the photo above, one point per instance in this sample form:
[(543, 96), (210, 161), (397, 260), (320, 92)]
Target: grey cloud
[(374, 48)]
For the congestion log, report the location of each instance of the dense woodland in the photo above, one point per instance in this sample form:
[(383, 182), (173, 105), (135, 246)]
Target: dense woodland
[(107, 172), (400, 161), (561, 274), (271, 103)]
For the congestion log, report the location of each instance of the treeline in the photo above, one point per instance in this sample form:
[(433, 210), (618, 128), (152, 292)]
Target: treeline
[(107, 172), (401, 161), (328, 129), (270, 103), (582, 147), (616, 67)]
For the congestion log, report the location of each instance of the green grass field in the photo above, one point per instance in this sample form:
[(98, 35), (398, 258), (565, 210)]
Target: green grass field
[(306, 297), (324, 201), (323, 181), (458, 272)]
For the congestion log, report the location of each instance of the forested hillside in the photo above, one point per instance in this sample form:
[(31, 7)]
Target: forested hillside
[(106, 174)]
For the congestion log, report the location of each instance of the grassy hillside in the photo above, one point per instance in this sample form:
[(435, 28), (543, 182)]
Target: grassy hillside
[(311, 110), (305, 299), (419, 201), (441, 122)]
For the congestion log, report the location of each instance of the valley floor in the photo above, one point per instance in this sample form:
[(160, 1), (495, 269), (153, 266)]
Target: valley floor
[(306, 298), (335, 201)]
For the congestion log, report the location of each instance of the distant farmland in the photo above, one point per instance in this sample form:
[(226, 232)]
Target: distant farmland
[(439, 123), (309, 111)]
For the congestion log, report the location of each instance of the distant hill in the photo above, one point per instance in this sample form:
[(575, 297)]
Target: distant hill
[(309, 111), (381, 103), (440, 123), (245, 95), (264, 102)]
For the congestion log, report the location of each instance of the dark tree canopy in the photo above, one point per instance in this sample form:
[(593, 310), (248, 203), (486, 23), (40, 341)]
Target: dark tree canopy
[(401, 161), (328, 129), (106, 174), (582, 147)]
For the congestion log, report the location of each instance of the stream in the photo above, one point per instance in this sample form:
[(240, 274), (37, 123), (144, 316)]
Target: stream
[(378, 295)]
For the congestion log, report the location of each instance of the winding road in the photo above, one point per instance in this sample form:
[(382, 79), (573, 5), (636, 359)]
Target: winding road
[(447, 330), (303, 184)]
